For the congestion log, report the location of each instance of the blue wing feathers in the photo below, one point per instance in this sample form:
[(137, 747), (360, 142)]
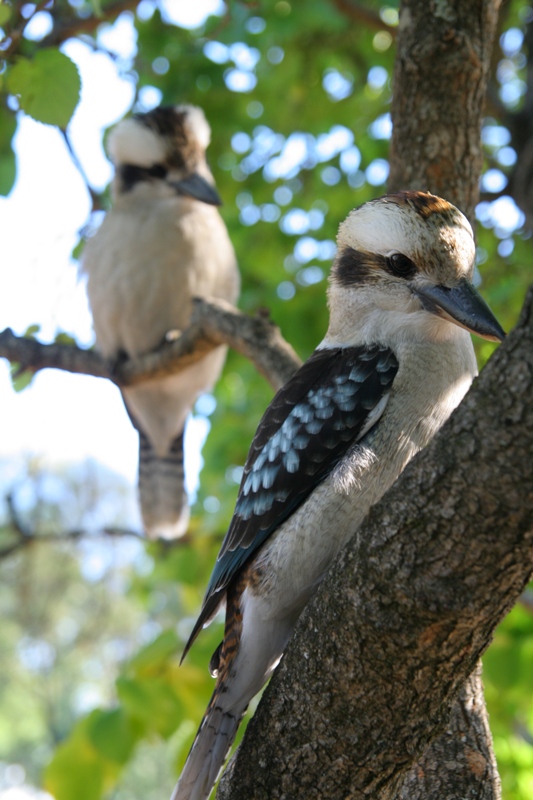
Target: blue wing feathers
[(308, 427)]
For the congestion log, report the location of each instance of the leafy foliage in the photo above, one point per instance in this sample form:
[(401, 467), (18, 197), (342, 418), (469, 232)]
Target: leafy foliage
[(298, 97), (47, 86)]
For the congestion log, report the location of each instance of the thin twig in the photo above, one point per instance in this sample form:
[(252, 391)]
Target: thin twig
[(67, 27), (360, 13), (17, 32), (24, 537), (96, 200)]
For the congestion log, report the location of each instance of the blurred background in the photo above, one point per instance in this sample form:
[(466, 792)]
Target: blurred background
[(92, 701)]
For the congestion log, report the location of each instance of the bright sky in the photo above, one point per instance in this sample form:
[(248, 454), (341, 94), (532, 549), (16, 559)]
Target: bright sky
[(60, 416)]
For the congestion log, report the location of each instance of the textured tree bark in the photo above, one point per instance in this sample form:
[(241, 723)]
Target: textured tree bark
[(443, 59), (441, 73), (440, 81), (460, 762), (397, 627)]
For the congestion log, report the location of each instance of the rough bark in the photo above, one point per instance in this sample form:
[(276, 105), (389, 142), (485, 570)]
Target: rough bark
[(441, 72), (442, 65), (213, 323), (396, 629), (459, 763), (440, 82)]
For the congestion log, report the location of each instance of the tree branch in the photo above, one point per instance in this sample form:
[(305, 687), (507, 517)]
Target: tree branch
[(461, 756), (366, 16), (31, 355), (96, 198), (15, 33), (24, 537), (69, 26), (440, 84), (399, 623), (213, 323)]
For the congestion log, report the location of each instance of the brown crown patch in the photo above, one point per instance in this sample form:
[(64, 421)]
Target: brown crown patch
[(164, 120), (167, 122), (423, 203)]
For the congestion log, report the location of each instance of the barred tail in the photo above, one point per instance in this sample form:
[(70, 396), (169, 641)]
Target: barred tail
[(162, 493), (208, 752)]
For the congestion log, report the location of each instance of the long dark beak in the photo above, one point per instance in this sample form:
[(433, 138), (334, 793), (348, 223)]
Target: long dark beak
[(464, 306), (197, 187)]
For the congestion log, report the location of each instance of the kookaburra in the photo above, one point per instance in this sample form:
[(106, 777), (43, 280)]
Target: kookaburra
[(396, 360), (162, 243)]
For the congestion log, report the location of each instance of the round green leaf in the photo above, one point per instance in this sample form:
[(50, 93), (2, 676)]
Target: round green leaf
[(48, 86)]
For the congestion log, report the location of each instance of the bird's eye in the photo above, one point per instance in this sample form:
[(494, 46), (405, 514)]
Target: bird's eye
[(401, 265)]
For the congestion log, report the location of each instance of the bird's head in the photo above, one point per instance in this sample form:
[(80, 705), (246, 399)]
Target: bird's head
[(404, 268), (165, 149)]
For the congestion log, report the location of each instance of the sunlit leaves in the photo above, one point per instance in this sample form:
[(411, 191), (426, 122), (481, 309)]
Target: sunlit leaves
[(47, 86), (113, 734), (8, 125)]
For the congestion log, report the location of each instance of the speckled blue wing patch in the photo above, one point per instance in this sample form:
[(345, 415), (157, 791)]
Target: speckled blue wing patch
[(327, 406)]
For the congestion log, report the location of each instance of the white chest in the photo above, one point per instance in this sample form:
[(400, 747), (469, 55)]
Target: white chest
[(424, 394)]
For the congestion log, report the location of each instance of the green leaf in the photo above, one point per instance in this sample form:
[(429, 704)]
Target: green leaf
[(64, 338), (32, 331), (48, 86), (153, 702), (78, 250), (75, 770), (8, 126), (5, 14), (156, 653), (114, 734), (20, 380), (97, 8)]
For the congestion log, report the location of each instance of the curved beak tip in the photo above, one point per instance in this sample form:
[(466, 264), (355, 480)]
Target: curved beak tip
[(464, 306), (196, 186)]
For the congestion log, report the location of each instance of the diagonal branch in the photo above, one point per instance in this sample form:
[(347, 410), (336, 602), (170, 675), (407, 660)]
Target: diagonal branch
[(357, 12), (213, 323), (69, 26), (24, 537), (400, 621)]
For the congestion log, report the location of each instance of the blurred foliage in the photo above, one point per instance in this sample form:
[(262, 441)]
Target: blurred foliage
[(298, 97)]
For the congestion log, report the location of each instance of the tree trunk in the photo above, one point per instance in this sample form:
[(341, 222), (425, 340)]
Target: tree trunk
[(460, 762), (324, 743), (440, 82), (441, 73), (396, 628)]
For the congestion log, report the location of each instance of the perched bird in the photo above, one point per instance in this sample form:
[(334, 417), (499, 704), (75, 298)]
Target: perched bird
[(162, 243), (396, 360)]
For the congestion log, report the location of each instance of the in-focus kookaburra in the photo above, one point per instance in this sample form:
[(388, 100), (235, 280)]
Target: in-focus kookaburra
[(162, 243), (395, 362)]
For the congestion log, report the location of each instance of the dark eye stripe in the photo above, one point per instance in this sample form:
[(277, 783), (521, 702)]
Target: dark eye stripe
[(356, 267), (131, 174)]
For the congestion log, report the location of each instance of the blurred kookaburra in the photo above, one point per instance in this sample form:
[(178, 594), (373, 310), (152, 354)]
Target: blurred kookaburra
[(162, 243), (395, 362)]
